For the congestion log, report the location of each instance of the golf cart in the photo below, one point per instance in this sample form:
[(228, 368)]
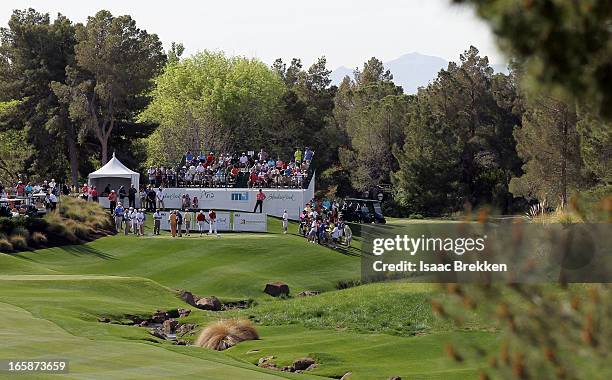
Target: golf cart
[(362, 211), (29, 207), (39, 202)]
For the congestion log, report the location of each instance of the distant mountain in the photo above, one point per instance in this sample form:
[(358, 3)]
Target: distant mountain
[(339, 74), (411, 71)]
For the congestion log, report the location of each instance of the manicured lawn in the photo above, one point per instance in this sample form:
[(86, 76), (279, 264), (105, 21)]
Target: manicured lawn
[(51, 300)]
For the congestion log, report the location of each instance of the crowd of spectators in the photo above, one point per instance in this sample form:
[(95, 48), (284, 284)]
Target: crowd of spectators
[(23, 198), (321, 223), (235, 170)]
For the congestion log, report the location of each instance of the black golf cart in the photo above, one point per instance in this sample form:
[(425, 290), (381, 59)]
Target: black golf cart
[(358, 210)]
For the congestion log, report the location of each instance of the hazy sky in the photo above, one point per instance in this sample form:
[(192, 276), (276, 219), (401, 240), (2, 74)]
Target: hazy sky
[(346, 32)]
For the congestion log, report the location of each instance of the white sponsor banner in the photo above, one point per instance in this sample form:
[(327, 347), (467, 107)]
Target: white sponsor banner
[(223, 221), (250, 222), (277, 200)]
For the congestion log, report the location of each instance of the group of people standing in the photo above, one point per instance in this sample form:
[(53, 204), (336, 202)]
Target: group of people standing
[(129, 219), (132, 220), (179, 220)]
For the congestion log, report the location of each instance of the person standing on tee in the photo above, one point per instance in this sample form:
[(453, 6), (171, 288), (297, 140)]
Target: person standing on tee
[(285, 221), (173, 222), (260, 198), (141, 221), (212, 223), (187, 219), (118, 214), (126, 221), (134, 221), (156, 222), (160, 198), (179, 223), (201, 219)]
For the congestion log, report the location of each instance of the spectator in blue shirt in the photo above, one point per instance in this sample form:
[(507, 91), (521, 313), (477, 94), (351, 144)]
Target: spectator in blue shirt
[(119, 211), (308, 154)]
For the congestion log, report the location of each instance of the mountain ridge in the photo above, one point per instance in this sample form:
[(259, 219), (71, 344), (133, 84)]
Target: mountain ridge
[(410, 70)]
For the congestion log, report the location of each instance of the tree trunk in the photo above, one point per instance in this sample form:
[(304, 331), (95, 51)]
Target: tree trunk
[(104, 146), (73, 155), (564, 160)]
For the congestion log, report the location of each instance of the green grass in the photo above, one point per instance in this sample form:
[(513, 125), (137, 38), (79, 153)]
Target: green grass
[(50, 302), (392, 308)]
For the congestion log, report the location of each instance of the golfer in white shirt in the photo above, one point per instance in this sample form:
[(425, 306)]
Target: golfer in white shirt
[(160, 198), (285, 221)]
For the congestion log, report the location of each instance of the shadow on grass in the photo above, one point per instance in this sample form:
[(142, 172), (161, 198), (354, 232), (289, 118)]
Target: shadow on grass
[(83, 250)]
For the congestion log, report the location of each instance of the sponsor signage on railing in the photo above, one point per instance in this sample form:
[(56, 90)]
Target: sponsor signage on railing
[(247, 221), (250, 222)]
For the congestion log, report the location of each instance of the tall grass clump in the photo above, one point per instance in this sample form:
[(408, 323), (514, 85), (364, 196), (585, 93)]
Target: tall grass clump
[(75, 221), (226, 333), (5, 244), (19, 242), (38, 239)]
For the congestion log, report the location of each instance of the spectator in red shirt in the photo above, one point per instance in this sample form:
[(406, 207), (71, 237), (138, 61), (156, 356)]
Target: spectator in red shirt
[(253, 178), (260, 198), (210, 159), (112, 200), (20, 189), (94, 194), (85, 192)]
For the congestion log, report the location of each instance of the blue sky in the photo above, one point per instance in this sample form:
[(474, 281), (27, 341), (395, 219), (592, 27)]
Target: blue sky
[(346, 32)]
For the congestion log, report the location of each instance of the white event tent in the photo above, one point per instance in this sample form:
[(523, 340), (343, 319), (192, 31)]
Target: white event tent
[(114, 174)]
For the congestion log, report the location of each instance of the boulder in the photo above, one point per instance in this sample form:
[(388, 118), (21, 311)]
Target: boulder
[(209, 303), (143, 324), (184, 328), (169, 326), (271, 366), (183, 312), (159, 316), (395, 378), (302, 364), (158, 333), (188, 297), (276, 289), (136, 320), (309, 293), (288, 368), (265, 359)]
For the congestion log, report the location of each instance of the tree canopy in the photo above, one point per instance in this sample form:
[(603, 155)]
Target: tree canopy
[(211, 101)]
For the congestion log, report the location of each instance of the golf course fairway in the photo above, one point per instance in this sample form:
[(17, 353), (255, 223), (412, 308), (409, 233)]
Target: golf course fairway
[(52, 302)]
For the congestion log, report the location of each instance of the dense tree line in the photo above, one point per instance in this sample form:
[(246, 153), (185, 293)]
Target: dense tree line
[(74, 90), (471, 137)]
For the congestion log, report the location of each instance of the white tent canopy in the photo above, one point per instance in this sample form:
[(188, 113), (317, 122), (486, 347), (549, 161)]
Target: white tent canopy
[(114, 174)]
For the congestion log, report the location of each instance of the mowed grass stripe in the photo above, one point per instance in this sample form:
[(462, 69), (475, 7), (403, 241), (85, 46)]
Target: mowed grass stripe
[(229, 268), (35, 338)]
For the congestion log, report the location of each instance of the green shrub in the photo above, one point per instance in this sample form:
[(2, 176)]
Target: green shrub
[(415, 216)]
